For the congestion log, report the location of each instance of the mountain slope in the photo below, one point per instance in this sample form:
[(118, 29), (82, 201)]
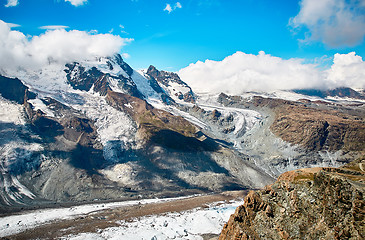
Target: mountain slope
[(98, 135)]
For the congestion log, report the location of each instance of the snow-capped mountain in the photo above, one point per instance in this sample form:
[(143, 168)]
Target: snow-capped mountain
[(99, 129)]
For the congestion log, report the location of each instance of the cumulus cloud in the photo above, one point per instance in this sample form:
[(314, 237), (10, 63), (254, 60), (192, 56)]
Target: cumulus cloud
[(61, 46), (336, 23), (243, 72), (77, 3), (54, 27), (12, 3), (347, 70), (170, 8)]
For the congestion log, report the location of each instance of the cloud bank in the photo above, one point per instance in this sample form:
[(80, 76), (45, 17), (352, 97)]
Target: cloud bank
[(170, 8), (60, 46), (243, 72), (336, 23)]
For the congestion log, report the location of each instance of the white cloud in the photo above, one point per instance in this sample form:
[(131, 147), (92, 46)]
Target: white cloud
[(347, 70), (243, 72), (17, 50), (336, 23), (13, 25), (170, 8), (12, 3), (77, 3), (126, 55), (54, 27)]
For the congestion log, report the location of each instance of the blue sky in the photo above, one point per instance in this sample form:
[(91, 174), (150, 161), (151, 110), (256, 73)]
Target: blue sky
[(193, 30)]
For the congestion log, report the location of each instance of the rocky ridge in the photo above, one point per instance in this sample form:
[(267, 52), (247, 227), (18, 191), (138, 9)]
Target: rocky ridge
[(318, 203)]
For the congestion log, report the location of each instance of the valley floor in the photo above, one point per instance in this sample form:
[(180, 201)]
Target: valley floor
[(193, 217)]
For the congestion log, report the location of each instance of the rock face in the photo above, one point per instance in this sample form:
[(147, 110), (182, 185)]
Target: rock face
[(318, 129), (319, 203), (82, 78), (14, 90), (172, 84)]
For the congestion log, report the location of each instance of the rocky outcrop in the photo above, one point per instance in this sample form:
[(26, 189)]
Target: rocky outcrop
[(81, 78), (14, 90), (319, 203)]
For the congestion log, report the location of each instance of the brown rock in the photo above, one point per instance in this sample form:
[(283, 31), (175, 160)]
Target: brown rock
[(324, 203)]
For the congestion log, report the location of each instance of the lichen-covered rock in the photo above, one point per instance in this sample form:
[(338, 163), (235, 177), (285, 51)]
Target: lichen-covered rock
[(316, 203)]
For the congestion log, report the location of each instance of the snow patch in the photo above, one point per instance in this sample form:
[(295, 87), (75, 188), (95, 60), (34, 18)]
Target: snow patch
[(121, 173), (112, 125), (10, 112), (39, 105)]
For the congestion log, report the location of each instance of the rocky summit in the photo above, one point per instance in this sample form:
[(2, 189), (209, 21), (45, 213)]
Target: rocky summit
[(314, 203)]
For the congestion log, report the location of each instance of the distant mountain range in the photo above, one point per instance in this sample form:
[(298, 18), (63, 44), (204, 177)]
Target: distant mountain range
[(342, 92), (100, 130)]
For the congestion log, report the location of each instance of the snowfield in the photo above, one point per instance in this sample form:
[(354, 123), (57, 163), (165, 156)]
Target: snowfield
[(187, 224), (184, 225)]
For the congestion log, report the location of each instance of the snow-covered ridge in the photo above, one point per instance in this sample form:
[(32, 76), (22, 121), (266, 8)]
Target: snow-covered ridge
[(144, 86), (108, 65)]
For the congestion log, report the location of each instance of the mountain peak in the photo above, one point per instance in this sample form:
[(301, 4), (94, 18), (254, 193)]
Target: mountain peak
[(172, 84)]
